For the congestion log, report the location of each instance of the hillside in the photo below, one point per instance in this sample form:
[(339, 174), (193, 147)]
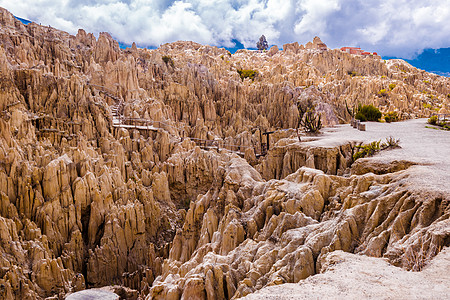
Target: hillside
[(145, 169), (433, 60)]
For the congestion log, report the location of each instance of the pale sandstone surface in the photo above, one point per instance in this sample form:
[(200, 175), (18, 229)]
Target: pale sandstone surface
[(92, 294), (426, 147), (85, 204), (352, 276)]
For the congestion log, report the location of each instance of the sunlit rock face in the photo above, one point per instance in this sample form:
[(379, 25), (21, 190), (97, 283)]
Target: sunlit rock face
[(88, 204)]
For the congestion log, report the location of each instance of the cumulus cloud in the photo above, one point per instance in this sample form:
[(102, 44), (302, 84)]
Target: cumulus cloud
[(391, 27)]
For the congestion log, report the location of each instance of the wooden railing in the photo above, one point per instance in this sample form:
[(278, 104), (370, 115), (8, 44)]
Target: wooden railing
[(221, 144), (441, 117), (146, 124), (139, 123)]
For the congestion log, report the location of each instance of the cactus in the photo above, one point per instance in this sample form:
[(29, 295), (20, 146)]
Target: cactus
[(351, 111), (308, 119)]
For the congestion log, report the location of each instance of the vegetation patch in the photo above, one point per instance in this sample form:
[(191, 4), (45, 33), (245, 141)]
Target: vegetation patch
[(360, 116), (367, 150), (382, 93), (446, 127), (376, 146), (391, 116), (247, 74), (390, 143), (168, 60), (364, 112), (434, 120), (392, 86), (427, 105), (309, 120), (368, 113)]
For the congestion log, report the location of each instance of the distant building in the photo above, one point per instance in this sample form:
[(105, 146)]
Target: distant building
[(357, 51)]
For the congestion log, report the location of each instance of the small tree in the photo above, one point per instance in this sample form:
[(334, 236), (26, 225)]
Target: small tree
[(262, 44)]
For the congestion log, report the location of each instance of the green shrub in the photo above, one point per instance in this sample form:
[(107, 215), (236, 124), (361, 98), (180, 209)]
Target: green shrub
[(433, 120), (382, 93), (390, 143), (448, 96), (247, 74), (374, 147), (392, 86), (370, 112), (391, 116), (367, 150), (360, 116)]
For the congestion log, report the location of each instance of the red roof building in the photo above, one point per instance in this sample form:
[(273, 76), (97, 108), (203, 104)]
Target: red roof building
[(356, 51)]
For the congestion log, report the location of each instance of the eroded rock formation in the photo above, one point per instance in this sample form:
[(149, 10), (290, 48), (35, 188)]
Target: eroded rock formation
[(85, 203), (273, 232)]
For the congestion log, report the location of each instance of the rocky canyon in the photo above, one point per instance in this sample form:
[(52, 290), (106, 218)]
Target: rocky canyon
[(144, 170)]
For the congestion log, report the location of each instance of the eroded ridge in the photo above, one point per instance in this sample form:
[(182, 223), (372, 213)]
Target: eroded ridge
[(230, 247)]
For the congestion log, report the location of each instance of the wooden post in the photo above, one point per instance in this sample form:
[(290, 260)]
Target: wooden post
[(267, 138), (361, 127)]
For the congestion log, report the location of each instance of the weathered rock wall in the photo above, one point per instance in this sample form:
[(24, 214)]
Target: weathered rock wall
[(254, 233)]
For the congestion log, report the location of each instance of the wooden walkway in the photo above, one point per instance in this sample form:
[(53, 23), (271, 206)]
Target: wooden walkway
[(119, 121), (41, 123), (104, 90), (221, 145)]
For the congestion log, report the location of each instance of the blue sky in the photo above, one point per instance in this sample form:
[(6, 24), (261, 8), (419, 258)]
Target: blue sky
[(399, 28)]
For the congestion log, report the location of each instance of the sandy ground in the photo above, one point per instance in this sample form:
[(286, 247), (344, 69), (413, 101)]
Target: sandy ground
[(352, 276), (93, 294), (430, 148)]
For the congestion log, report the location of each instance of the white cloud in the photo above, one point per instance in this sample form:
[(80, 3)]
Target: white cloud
[(315, 16), (391, 27)]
